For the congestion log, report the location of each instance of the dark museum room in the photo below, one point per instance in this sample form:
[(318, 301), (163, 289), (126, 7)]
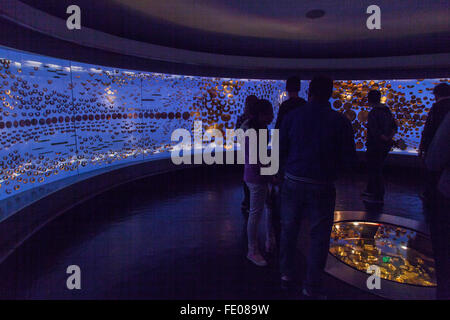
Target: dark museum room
[(224, 155)]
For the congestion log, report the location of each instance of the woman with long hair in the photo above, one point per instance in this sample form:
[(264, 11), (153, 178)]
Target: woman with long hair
[(260, 116)]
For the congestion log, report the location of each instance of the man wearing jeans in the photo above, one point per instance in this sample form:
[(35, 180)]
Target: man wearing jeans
[(381, 128), (315, 141)]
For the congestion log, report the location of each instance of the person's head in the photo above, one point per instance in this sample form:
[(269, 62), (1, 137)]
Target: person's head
[(320, 88), (262, 112), (249, 102), (293, 86), (374, 97), (442, 90)]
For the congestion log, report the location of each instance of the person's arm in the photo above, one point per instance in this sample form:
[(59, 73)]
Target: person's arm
[(284, 145), (279, 117), (438, 154), (391, 128), (394, 126), (427, 133), (393, 131)]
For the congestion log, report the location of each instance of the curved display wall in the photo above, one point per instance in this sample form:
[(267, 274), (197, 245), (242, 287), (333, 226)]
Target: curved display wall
[(61, 118)]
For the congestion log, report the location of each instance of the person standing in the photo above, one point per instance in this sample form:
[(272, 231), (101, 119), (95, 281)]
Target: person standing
[(250, 101), (260, 116), (315, 142), (438, 160), (381, 128), (293, 86), (436, 115)]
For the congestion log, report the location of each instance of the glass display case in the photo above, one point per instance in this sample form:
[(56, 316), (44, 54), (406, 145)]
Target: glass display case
[(61, 118), (403, 255)]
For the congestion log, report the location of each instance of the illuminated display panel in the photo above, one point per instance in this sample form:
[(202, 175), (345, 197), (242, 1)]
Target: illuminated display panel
[(61, 118), (403, 255)]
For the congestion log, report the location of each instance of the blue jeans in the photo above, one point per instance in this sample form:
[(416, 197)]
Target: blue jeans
[(258, 194), (439, 226), (300, 200), (375, 160)]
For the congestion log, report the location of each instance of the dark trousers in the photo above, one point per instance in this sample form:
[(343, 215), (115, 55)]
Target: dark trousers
[(316, 202), (431, 182), (375, 157), (245, 205), (440, 237), (273, 207)]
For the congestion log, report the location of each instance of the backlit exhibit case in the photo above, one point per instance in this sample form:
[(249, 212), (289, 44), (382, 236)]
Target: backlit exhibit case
[(62, 118)]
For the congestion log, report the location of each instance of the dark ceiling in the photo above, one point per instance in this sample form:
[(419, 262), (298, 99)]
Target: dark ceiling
[(270, 28)]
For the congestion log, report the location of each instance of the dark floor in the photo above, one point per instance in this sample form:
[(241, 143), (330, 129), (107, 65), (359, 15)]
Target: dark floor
[(161, 239)]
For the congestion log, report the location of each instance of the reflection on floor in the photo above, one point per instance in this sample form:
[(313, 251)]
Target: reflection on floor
[(179, 236)]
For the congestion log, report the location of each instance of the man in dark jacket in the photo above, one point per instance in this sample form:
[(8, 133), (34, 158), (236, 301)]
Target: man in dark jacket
[(438, 160), (292, 87), (315, 142), (381, 128), (436, 115)]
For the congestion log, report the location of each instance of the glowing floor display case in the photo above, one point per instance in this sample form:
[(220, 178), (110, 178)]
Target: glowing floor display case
[(400, 248), (403, 255)]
